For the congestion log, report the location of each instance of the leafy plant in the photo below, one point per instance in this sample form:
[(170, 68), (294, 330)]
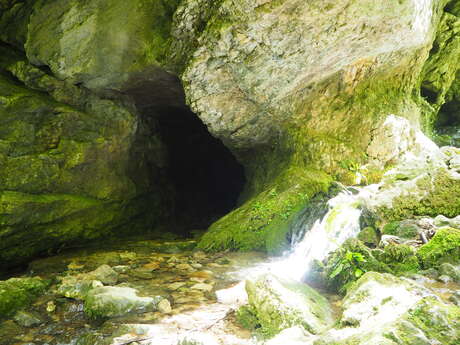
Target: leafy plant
[(347, 268)]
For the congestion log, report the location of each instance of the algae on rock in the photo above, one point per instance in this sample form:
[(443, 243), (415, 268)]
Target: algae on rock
[(17, 293)]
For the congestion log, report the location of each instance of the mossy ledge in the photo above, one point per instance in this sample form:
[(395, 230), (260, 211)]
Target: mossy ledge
[(263, 222)]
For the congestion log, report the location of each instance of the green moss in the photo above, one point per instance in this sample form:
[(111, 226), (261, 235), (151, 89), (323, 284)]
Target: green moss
[(438, 321), (400, 229), (441, 195), (17, 293), (369, 236), (443, 247), (247, 318), (340, 272), (400, 258), (390, 228), (263, 222)]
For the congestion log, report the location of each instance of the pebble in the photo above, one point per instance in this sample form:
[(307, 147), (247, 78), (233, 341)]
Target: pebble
[(26, 319), (164, 306), (50, 307), (184, 267), (175, 286), (202, 287)]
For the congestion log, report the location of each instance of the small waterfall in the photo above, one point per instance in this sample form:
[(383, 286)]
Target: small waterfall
[(341, 222)]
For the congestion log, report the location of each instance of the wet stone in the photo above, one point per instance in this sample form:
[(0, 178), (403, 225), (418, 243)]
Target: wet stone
[(26, 319)]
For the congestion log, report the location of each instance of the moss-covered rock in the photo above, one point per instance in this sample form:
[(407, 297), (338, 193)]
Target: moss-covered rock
[(404, 229), (443, 247), (369, 236), (307, 119), (264, 221), (66, 163), (431, 194), (17, 293), (383, 309), (109, 301), (63, 35), (275, 305), (441, 68), (400, 258), (348, 263), (451, 271)]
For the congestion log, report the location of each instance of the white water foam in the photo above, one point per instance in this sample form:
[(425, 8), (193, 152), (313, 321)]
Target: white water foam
[(327, 234)]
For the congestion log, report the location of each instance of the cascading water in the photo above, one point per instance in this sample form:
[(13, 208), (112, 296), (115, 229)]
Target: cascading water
[(342, 221)]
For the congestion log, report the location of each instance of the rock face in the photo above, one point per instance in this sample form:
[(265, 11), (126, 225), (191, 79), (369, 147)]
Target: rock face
[(85, 89), (65, 169), (308, 77)]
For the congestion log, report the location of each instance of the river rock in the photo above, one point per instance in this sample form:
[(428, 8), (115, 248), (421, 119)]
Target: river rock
[(293, 336), (443, 247), (278, 304), (451, 271), (78, 286), (108, 301), (27, 319), (384, 309)]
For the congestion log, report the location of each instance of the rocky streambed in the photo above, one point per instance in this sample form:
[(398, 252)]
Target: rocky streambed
[(150, 292), (145, 291)]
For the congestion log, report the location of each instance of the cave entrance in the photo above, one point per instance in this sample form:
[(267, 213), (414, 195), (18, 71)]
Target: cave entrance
[(206, 177)]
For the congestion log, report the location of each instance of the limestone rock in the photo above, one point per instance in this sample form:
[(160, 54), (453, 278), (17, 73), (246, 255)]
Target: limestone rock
[(63, 166), (383, 309), (278, 305), (63, 35), (109, 301)]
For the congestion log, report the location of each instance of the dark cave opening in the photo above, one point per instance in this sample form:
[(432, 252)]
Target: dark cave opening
[(203, 179), (449, 115), (206, 177), (447, 125)]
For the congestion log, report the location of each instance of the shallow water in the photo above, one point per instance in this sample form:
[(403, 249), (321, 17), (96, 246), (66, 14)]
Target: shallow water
[(151, 267)]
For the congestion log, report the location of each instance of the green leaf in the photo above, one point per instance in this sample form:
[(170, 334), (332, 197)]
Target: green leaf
[(336, 271), (358, 272)]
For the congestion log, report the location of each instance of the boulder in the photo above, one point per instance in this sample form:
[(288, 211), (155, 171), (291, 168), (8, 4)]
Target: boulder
[(383, 309), (443, 247), (78, 285), (110, 301), (451, 271), (279, 304), (16, 293)]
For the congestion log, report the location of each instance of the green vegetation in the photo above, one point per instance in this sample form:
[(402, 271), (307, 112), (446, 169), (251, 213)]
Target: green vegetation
[(441, 196), (17, 293), (263, 222), (443, 247)]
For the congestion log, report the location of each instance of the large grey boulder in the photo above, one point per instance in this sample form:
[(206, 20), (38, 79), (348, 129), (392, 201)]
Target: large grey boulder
[(113, 301), (279, 304), (384, 309)]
